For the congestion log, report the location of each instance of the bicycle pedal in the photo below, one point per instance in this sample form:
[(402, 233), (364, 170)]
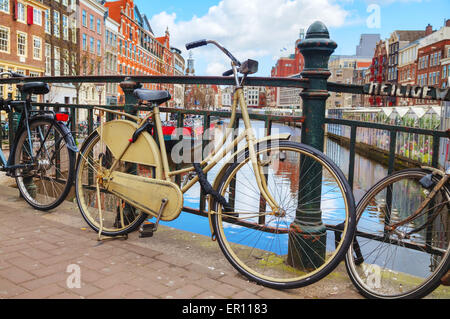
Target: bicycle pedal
[(147, 230)]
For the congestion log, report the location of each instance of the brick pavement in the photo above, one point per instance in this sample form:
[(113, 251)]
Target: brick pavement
[(41, 252)]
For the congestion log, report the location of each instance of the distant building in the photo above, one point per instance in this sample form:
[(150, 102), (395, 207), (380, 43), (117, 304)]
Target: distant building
[(178, 70), (397, 40), (379, 71), (140, 52), (286, 67), (433, 56), (227, 96), (342, 68), (61, 49), (22, 40), (367, 44), (111, 50), (407, 69)]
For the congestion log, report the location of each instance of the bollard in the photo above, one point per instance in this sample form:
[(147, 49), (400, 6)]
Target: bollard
[(308, 233)]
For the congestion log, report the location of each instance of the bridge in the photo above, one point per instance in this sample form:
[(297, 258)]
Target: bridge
[(67, 240)]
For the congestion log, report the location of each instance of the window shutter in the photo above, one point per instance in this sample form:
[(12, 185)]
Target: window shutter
[(30, 13)]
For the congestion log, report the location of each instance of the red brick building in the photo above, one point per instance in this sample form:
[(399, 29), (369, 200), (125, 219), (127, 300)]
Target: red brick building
[(285, 67), (91, 53), (22, 39), (140, 52), (379, 71), (431, 51)]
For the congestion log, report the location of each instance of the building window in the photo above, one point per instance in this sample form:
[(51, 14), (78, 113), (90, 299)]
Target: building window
[(21, 44), (21, 13), (66, 62), (48, 27), (84, 42), (91, 43), (4, 39), (4, 6), (91, 22), (37, 16), (56, 24), (65, 24), (99, 47), (99, 26), (48, 59), (37, 48), (84, 20), (74, 30), (57, 61)]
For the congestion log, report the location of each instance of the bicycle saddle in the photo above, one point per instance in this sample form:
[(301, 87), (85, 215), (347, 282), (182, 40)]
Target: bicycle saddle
[(158, 97), (34, 88)]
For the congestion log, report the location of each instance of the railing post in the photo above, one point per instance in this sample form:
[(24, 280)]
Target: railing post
[(309, 239), (128, 87)]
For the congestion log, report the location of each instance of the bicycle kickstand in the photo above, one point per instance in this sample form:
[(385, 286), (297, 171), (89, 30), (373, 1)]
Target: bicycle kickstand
[(101, 239), (148, 229)]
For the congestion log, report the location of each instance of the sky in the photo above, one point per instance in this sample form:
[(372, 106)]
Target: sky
[(265, 30)]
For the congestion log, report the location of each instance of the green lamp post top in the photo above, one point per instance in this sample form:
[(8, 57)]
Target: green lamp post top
[(317, 30)]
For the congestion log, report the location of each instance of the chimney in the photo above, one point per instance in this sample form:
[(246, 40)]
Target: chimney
[(428, 30)]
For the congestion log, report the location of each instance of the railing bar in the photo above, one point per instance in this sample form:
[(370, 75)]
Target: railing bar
[(206, 126), (351, 165), (385, 127), (436, 147), (180, 124), (392, 145)]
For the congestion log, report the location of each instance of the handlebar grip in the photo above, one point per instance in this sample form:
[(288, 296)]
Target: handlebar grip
[(196, 44), (228, 73)]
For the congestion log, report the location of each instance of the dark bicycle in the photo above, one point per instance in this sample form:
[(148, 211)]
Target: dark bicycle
[(42, 156)]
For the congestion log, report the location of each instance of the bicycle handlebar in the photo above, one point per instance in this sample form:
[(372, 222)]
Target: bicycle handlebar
[(200, 43), (196, 44)]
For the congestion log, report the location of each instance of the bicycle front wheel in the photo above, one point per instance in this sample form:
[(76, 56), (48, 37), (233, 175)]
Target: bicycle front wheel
[(410, 261), (310, 233), (48, 165)]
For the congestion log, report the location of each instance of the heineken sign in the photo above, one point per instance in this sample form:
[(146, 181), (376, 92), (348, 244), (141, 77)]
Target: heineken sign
[(407, 91)]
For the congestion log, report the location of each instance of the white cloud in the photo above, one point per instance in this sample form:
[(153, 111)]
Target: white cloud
[(250, 28), (216, 68)]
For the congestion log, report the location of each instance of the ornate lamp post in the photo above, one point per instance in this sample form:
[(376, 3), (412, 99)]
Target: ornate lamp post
[(308, 233)]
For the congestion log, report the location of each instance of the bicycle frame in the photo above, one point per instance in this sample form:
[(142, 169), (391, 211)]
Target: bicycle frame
[(219, 152)]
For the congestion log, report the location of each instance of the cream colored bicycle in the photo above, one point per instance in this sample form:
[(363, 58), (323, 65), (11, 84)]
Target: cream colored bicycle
[(123, 178)]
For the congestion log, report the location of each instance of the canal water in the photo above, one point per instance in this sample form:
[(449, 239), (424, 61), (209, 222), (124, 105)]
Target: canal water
[(367, 173)]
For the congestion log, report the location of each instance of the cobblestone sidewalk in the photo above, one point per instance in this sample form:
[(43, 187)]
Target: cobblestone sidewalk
[(41, 255)]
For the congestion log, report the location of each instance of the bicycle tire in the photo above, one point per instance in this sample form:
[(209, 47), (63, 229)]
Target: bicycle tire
[(277, 268), (33, 188), (382, 275), (86, 197)]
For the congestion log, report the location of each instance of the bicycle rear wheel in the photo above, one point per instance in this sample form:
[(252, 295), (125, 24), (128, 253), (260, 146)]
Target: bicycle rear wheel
[(408, 262), (307, 238), (48, 164), (118, 218)]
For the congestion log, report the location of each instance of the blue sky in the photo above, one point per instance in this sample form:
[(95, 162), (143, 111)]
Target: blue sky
[(260, 29)]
